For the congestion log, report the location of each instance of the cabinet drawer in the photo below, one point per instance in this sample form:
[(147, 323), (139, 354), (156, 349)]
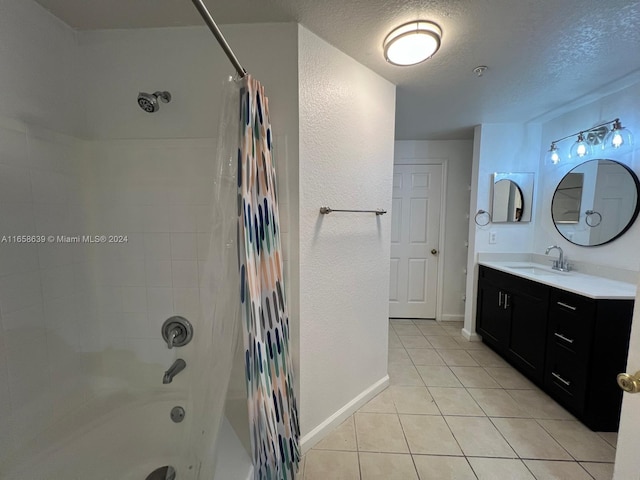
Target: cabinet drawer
[(571, 320), (566, 379)]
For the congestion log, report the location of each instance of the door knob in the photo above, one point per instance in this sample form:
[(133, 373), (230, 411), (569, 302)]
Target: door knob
[(434, 251), (629, 383)]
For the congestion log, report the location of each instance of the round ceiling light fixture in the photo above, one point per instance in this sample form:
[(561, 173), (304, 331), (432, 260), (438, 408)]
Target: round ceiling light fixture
[(412, 43)]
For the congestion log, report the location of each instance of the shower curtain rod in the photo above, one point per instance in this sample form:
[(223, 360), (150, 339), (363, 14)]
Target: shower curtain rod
[(208, 19)]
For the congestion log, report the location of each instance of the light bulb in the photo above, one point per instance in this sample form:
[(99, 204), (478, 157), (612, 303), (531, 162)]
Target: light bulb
[(553, 155), (580, 148), (618, 137)]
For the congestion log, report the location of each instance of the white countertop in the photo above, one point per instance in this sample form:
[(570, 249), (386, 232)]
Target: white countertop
[(588, 285)]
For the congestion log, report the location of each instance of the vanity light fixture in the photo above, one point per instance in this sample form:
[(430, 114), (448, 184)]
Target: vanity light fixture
[(412, 43), (618, 137), (607, 135)]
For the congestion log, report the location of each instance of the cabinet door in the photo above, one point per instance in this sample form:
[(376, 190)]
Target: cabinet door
[(492, 318), (527, 336)]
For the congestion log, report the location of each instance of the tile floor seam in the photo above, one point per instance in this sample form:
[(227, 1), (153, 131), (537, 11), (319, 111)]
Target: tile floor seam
[(533, 458), (499, 387), (542, 426), (407, 442)]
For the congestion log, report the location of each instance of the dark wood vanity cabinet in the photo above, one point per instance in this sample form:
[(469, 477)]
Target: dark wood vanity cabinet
[(512, 315), (587, 344), (569, 345)]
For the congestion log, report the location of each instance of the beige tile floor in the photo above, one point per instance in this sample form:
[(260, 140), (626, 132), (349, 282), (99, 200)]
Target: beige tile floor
[(455, 410)]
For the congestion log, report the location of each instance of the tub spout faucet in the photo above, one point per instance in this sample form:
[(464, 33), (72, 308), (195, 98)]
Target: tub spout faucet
[(174, 369), (561, 263)]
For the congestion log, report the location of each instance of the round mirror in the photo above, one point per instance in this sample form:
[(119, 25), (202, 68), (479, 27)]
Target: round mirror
[(596, 202), (508, 203)]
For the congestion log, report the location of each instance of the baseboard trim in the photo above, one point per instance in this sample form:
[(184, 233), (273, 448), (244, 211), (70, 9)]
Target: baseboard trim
[(452, 317), (325, 428), (471, 336)]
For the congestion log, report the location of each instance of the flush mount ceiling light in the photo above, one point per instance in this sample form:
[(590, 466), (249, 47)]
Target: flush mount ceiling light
[(412, 43)]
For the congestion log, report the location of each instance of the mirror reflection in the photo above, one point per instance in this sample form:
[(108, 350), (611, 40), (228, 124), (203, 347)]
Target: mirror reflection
[(596, 202), (512, 197), (508, 203)]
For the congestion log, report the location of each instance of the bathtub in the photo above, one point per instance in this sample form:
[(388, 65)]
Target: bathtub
[(119, 436)]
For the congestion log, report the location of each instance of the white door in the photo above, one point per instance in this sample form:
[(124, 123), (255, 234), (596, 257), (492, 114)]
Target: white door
[(415, 232), (612, 200), (627, 459)]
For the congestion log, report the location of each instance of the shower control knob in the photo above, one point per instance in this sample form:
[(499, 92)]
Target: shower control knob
[(629, 383), (177, 331)]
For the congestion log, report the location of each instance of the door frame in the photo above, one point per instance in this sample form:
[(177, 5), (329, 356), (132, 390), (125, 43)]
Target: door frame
[(444, 163)]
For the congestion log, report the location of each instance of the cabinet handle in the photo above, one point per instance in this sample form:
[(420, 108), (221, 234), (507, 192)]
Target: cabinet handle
[(567, 306), (499, 299), (506, 301), (566, 382), (562, 337)]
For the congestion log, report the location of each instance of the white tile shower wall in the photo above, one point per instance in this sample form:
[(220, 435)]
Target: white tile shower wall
[(158, 189), (113, 288), (157, 194), (42, 286)]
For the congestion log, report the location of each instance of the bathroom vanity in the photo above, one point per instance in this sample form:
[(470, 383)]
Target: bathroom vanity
[(567, 332)]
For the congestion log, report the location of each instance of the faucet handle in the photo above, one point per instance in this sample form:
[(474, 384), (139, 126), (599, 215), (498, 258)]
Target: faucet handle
[(177, 331)]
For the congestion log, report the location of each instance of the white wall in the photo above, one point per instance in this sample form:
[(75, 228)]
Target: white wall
[(521, 147), (498, 148), (39, 79), (623, 252), (43, 373), (346, 161), (456, 156)]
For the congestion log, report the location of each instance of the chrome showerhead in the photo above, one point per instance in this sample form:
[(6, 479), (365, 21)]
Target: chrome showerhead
[(149, 101)]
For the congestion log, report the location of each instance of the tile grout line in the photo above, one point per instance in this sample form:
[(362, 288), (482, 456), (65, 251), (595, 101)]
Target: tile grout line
[(501, 388)]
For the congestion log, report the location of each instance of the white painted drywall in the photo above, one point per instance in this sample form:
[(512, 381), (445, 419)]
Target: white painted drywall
[(623, 252), (498, 148), (456, 155), (346, 161)]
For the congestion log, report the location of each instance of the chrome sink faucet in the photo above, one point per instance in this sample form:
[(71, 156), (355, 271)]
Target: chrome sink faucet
[(561, 263)]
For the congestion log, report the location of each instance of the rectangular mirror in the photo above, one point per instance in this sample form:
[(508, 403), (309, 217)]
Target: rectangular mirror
[(512, 197)]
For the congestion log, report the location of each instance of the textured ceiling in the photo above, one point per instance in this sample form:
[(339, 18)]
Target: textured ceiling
[(541, 54)]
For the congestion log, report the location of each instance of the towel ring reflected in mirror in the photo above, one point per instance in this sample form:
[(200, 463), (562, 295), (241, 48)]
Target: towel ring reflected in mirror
[(590, 221)]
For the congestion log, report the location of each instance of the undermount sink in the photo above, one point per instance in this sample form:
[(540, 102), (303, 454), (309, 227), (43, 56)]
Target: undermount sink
[(534, 270)]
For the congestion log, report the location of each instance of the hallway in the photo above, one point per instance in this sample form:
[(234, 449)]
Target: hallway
[(456, 410)]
